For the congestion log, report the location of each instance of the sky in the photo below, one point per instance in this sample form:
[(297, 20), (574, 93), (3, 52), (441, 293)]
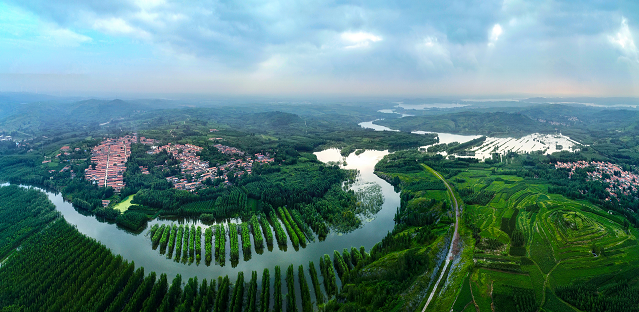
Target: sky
[(358, 48)]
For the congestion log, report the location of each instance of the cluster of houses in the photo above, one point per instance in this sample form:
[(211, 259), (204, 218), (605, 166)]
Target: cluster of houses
[(110, 158), (228, 150), (199, 170), (618, 179), (66, 151), (147, 141)]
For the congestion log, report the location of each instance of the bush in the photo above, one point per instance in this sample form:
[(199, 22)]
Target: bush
[(319, 296), (291, 233), (207, 218), (296, 229), (340, 266), (238, 293), (290, 284), (220, 243), (132, 220), (266, 229), (277, 290), (172, 237), (165, 238), (233, 238), (178, 247), (330, 282), (257, 233), (246, 240), (280, 235), (107, 213), (208, 242), (303, 226), (157, 234), (198, 244), (356, 256), (266, 294), (307, 305)]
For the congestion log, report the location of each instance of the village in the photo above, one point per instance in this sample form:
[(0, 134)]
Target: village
[(619, 180), (200, 171), (110, 158)]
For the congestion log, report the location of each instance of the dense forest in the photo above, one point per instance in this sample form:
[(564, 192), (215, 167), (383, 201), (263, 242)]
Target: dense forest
[(22, 213)]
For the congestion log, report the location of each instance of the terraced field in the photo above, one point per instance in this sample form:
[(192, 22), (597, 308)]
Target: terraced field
[(529, 244)]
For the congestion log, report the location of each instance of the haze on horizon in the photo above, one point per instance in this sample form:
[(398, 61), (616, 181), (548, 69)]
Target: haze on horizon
[(370, 48)]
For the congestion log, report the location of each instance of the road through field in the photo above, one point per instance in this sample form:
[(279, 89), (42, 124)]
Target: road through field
[(450, 255)]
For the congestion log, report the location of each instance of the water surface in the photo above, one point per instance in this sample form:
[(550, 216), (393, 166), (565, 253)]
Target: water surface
[(371, 125)]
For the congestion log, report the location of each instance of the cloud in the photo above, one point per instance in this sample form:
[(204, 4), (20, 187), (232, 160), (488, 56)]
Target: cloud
[(118, 26), (62, 36), (380, 41), (240, 33), (623, 40), (359, 39), (433, 55), (494, 34)]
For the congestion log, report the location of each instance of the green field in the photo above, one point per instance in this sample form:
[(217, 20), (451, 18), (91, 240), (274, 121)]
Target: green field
[(524, 249), (559, 236), (125, 204)]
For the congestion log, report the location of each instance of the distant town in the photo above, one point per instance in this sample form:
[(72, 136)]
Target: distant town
[(619, 180)]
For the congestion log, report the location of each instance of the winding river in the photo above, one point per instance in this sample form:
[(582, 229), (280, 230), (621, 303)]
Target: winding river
[(137, 247)]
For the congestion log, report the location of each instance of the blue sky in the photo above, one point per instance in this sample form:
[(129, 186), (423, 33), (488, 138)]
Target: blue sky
[(402, 48)]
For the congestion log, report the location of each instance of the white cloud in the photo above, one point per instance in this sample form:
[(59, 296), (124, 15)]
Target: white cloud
[(359, 39), (624, 41), (65, 37), (149, 4), (494, 34), (432, 54), (118, 26), (270, 68)]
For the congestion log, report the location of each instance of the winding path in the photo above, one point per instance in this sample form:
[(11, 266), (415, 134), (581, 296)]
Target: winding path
[(450, 254)]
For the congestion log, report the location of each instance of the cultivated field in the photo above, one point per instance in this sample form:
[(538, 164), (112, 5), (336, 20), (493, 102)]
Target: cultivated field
[(527, 243)]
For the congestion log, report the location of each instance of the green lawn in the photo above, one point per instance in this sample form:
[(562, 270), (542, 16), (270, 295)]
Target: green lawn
[(125, 204)]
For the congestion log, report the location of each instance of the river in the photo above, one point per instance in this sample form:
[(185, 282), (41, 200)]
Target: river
[(137, 247)]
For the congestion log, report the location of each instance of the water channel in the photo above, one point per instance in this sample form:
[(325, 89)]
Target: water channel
[(138, 247)]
